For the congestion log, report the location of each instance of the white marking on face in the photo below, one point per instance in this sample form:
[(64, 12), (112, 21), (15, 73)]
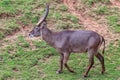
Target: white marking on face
[(31, 36)]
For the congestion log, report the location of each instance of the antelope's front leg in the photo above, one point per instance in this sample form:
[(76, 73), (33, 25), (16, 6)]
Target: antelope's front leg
[(66, 57), (60, 64)]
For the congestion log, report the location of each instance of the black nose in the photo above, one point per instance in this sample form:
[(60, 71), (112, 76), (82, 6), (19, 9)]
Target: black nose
[(31, 35)]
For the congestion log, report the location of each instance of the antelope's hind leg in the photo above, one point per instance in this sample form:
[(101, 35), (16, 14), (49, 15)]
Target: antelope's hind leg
[(91, 62), (101, 59)]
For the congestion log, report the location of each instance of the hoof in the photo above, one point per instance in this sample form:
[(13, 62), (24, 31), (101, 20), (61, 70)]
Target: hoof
[(84, 76), (103, 71), (58, 72)]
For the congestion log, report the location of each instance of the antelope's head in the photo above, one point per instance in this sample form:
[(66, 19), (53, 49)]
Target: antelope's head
[(36, 31)]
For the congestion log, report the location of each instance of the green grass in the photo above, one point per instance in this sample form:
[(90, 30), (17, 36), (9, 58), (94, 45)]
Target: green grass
[(13, 14), (113, 21), (22, 42), (7, 27), (7, 7), (67, 25), (102, 10), (63, 7), (23, 61), (16, 62), (91, 2), (10, 11), (109, 14)]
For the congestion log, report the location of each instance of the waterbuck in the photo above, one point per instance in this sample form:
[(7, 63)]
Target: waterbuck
[(68, 41)]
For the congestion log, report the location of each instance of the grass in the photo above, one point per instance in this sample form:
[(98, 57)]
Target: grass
[(113, 21), (38, 61), (18, 63), (67, 25), (63, 8), (109, 14), (12, 12), (102, 10), (91, 2), (7, 27)]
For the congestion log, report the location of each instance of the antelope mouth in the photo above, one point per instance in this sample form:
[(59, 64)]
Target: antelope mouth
[(31, 35)]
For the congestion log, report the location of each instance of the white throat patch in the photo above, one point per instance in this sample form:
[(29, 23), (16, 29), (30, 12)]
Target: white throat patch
[(41, 36)]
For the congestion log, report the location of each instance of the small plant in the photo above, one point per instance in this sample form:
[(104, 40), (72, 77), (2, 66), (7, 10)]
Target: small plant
[(40, 44), (34, 19), (6, 75), (89, 2), (1, 35), (73, 18), (7, 27), (76, 26), (24, 20), (11, 24), (63, 8), (102, 10), (9, 48), (63, 25), (57, 15), (67, 25), (114, 22), (7, 7), (23, 42), (105, 1)]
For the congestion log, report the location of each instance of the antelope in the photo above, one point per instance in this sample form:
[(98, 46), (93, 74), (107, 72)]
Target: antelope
[(68, 41)]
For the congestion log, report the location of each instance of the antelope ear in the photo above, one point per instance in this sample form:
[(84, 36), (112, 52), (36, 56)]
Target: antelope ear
[(44, 24)]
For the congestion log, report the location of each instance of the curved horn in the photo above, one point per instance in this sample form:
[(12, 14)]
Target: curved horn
[(45, 15)]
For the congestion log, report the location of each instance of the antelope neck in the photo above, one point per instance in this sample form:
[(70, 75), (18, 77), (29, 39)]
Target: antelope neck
[(47, 36)]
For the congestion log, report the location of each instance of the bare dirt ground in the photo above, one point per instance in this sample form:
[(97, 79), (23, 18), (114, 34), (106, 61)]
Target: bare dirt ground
[(115, 3), (89, 23)]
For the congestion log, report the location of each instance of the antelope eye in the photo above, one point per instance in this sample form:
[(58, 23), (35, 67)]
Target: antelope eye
[(36, 28)]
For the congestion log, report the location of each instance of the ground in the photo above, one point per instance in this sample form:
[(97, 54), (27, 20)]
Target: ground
[(25, 58)]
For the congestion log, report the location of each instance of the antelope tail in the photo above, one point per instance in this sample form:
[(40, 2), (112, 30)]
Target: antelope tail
[(103, 41)]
